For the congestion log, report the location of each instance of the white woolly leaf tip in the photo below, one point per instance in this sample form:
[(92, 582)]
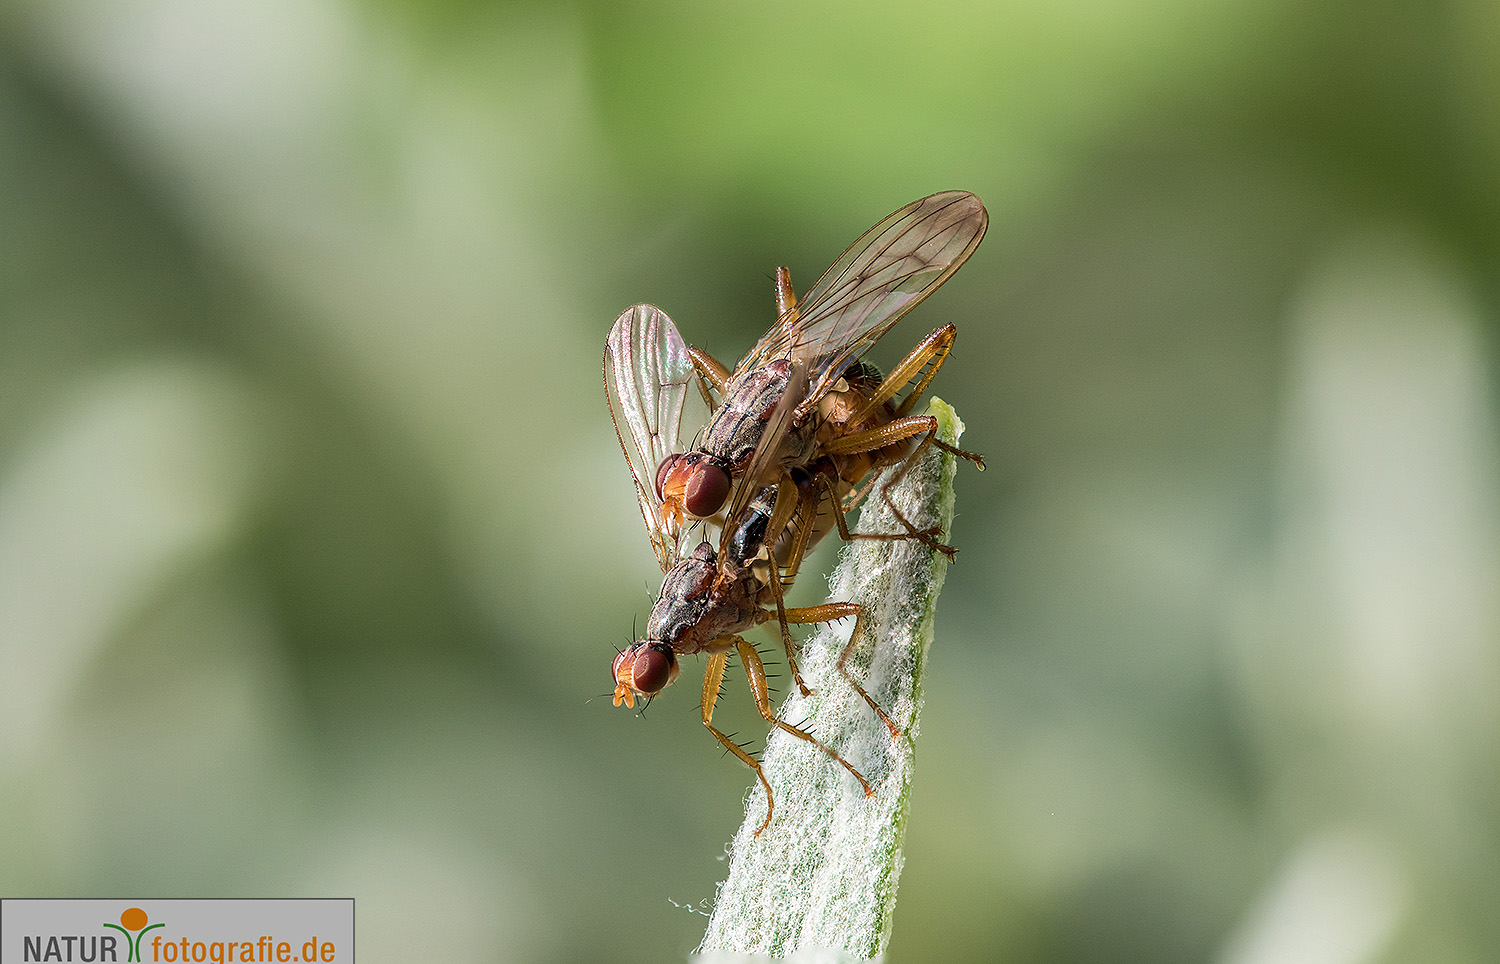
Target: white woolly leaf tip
[(818, 886)]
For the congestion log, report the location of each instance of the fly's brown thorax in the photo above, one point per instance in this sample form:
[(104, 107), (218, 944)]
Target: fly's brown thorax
[(696, 608), (740, 423)]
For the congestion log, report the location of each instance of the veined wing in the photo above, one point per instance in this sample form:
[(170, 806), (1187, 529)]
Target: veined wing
[(881, 277), (657, 402)]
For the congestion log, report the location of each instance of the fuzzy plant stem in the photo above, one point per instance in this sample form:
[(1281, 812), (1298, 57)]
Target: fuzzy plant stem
[(819, 884)]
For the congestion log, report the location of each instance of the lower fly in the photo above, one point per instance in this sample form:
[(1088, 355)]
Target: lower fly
[(704, 606)]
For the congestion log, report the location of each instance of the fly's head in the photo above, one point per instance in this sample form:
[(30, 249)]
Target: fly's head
[(694, 484), (645, 668)]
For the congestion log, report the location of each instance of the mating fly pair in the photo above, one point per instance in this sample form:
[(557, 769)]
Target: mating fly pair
[(796, 438)]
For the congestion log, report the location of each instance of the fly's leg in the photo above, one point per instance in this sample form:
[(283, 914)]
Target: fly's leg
[(710, 369), (783, 510), (894, 431), (788, 501), (713, 675), (840, 508), (786, 636), (773, 584), (930, 351), (827, 613), (756, 671), (826, 482), (786, 298), (806, 513), (852, 501)]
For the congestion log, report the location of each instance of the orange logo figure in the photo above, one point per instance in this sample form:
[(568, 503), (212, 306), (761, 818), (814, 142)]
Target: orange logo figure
[(134, 924)]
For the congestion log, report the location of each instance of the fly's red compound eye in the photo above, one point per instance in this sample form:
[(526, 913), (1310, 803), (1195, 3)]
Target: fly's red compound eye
[(707, 489), (651, 672)]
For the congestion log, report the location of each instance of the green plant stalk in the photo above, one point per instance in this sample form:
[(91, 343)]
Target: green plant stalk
[(819, 884)]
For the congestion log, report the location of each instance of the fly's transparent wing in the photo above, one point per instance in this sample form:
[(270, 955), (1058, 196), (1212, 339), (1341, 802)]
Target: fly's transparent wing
[(657, 404), (882, 276)]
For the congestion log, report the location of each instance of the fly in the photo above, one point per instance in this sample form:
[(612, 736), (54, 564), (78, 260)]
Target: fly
[(802, 393)]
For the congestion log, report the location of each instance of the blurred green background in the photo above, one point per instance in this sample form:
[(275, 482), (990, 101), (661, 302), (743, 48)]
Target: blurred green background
[(316, 542)]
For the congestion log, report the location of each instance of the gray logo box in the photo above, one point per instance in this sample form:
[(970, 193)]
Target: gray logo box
[(198, 930)]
